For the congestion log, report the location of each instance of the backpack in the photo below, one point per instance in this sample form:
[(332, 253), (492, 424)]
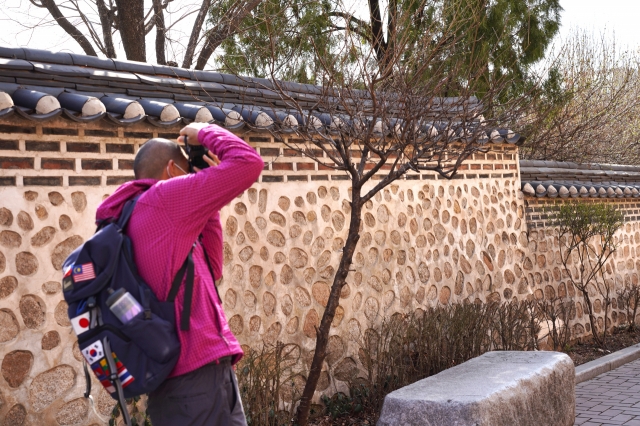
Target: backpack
[(132, 358)]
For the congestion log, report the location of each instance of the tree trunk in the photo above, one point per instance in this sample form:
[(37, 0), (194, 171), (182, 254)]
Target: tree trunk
[(377, 38), (225, 29), (322, 338), (592, 317), (131, 24), (195, 34), (105, 22), (160, 32)]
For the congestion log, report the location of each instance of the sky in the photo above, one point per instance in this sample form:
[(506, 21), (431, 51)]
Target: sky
[(22, 24), (619, 17)]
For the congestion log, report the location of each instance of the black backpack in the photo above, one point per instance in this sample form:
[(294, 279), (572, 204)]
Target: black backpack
[(133, 358)]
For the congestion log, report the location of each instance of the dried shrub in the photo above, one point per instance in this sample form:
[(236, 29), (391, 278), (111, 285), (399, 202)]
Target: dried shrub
[(270, 379), (555, 316), (406, 348), (629, 298)]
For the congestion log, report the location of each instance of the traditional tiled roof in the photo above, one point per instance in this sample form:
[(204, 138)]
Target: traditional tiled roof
[(572, 180), (40, 85)]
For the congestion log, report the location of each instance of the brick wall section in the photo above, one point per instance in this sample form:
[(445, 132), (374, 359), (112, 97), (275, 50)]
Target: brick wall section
[(101, 154), (539, 211)]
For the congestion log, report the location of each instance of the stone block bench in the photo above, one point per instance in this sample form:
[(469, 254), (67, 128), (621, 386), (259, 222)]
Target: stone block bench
[(495, 389)]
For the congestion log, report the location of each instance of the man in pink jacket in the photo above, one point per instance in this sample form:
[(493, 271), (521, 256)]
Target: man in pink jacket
[(176, 212)]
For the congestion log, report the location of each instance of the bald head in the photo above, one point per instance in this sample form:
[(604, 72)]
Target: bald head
[(152, 158)]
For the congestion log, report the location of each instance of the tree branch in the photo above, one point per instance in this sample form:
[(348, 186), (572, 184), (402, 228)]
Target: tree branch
[(53, 9), (195, 33), (106, 20), (225, 28)]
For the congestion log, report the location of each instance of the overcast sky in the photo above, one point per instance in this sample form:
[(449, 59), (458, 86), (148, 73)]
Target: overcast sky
[(619, 17)]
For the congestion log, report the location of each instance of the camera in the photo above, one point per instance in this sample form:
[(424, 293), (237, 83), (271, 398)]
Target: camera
[(196, 154)]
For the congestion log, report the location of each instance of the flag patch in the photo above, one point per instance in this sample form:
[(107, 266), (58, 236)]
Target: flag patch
[(67, 279), (83, 272), (102, 371), (93, 352), (123, 374), (81, 323)]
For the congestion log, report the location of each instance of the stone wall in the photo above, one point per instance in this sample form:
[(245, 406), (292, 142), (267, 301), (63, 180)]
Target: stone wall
[(424, 241)]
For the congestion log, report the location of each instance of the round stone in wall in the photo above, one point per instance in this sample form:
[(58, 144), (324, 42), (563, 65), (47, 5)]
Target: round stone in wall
[(79, 201), (254, 324), (236, 324), (50, 340), (337, 318), (272, 333), (75, 351), (335, 349), (60, 314), (51, 287), (43, 236), (65, 222), (32, 310), (55, 198), (292, 325), (3, 262), (16, 366), (345, 370), (7, 286), (26, 263), (9, 326), (50, 385), (284, 203), (64, 249), (30, 195), (24, 221), (73, 412), (16, 416), (311, 322), (41, 212), (275, 238), (268, 303), (10, 239), (6, 217)]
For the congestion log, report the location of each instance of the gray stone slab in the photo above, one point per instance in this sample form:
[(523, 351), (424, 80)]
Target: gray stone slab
[(495, 389), (606, 363)]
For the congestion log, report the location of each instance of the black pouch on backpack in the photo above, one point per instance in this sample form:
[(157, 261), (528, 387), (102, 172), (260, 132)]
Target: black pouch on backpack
[(131, 358)]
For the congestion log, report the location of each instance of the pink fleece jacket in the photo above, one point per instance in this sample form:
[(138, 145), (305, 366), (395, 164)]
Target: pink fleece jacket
[(167, 220)]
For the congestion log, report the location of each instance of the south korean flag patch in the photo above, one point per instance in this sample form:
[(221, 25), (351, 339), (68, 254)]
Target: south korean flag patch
[(93, 352)]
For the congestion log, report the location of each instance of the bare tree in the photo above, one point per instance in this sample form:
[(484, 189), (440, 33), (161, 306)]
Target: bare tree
[(96, 25), (586, 233), (376, 122), (591, 102)]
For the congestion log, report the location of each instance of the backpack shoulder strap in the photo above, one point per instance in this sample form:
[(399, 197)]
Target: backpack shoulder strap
[(187, 269), (127, 210)]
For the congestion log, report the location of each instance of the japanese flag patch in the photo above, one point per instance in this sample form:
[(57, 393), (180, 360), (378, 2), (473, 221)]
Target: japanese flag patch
[(81, 323), (93, 352)]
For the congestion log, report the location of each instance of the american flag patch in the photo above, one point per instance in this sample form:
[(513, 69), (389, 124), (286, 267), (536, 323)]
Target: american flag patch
[(83, 272)]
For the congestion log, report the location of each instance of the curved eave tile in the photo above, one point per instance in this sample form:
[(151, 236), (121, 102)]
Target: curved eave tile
[(116, 118), (39, 117), (75, 116), (7, 112), (159, 123), (576, 190)]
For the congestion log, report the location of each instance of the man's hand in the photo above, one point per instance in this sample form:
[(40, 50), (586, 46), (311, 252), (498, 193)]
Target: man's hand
[(191, 132), (211, 159)]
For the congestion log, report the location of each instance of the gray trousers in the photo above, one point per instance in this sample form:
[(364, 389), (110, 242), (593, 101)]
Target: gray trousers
[(208, 396)]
